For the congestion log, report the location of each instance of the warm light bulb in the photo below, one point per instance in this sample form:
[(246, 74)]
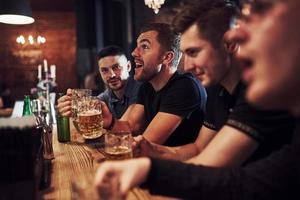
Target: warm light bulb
[(30, 39), (41, 40), (20, 39)]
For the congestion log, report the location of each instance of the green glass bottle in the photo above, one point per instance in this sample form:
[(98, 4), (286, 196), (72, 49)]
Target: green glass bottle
[(26, 106), (63, 126)]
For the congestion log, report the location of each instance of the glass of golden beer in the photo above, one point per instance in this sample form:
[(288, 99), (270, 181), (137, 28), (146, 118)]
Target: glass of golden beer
[(89, 115), (118, 145), (77, 95)]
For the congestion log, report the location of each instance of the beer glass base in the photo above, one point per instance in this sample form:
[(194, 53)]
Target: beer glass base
[(94, 135)]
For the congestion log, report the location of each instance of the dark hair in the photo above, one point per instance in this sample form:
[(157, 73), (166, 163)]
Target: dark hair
[(111, 50), (167, 38), (212, 18)]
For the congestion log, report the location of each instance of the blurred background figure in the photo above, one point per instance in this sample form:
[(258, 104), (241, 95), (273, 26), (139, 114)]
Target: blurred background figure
[(5, 100), (94, 82)]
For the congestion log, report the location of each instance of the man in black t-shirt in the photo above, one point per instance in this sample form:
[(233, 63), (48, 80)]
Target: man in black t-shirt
[(170, 105), (175, 98)]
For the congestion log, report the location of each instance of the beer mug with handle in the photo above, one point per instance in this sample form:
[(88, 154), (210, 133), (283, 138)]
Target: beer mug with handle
[(89, 115), (77, 94)]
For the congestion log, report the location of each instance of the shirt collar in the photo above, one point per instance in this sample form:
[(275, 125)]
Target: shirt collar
[(114, 98)]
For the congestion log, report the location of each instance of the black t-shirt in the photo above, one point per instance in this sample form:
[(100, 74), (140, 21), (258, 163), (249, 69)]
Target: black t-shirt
[(183, 96), (271, 129)]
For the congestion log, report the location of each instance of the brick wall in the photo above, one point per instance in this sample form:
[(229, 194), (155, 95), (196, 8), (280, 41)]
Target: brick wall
[(18, 63)]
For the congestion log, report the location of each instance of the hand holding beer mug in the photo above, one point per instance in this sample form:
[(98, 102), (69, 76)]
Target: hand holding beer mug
[(78, 94), (89, 115), (118, 145)]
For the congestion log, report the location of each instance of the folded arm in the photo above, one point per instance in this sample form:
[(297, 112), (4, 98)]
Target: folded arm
[(229, 147)]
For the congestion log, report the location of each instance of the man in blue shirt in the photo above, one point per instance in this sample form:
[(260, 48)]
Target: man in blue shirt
[(121, 89)]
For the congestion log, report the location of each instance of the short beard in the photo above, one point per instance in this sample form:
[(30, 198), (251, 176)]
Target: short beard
[(120, 88)]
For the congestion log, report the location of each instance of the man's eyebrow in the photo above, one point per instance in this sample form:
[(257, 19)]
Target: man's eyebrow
[(144, 40), (110, 65), (116, 64), (190, 49)]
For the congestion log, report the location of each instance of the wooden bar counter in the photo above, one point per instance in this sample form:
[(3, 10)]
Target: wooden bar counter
[(76, 162)]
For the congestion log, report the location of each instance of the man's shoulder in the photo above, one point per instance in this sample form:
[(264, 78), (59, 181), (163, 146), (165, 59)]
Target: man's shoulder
[(180, 79), (132, 84), (104, 95), (182, 76), (132, 87), (214, 90), (217, 93)]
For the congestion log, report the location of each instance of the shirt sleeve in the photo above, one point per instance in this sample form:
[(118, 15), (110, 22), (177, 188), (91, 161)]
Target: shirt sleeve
[(104, 96), (211, 111), (182, 98), (271, 178), (257, 123)]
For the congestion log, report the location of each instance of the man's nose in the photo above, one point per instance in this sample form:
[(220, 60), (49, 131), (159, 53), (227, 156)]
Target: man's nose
[(135, 52), (112, 73), (188, 64)]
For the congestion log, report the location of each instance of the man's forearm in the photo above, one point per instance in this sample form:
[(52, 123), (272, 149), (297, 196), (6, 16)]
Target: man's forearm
[(186, 152), (180, 153)]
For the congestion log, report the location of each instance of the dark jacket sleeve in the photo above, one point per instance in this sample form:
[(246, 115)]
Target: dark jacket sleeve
[(271, 178)]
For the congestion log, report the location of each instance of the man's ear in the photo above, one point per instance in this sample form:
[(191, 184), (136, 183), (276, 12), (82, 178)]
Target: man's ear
[(168, 57), (128, 65), (231, 47)]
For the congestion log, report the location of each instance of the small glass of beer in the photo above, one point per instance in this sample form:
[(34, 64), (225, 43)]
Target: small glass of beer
[(89, 115), (77, 94), (118, 145)]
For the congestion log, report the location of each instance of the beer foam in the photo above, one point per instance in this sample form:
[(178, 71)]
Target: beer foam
[(90, 113)]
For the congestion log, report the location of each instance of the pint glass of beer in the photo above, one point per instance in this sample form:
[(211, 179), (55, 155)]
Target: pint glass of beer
[(77, 95), (118, 145), (89, 115)]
